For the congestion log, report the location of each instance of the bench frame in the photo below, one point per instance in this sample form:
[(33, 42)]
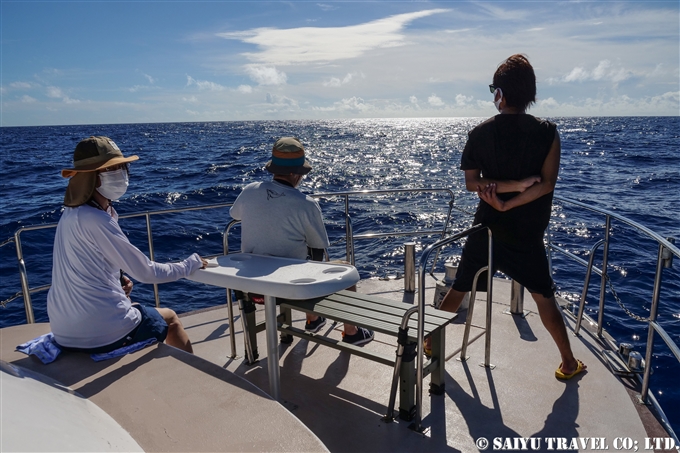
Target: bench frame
[(374, 313)]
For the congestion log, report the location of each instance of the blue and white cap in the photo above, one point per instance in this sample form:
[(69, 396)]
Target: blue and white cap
[(288, 156)]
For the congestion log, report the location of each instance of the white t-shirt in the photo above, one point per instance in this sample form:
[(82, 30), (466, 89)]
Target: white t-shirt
[(86, 304), (278, 220)]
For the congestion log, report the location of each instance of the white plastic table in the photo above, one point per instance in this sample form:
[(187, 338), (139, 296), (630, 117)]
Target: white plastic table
[(276, 277)]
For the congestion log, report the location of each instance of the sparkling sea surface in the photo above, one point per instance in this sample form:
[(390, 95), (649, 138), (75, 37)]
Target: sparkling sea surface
[(628, 165)]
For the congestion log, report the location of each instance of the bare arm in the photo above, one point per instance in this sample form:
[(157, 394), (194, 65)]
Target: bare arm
[(546, 183), (474, 179)]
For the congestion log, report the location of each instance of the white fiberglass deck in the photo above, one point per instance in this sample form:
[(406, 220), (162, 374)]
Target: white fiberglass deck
[(341, 398)]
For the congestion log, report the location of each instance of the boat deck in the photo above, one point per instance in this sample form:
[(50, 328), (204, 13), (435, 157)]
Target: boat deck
[(341, 398)]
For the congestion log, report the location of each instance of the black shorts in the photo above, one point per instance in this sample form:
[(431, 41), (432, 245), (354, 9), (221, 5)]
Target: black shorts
[(527, 265)]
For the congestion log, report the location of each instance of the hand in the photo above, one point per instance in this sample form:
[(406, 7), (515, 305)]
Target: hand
[(488, 194), (127, 284), (205, 263), (528, 182)]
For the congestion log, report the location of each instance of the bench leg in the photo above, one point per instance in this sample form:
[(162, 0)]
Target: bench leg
[(248, 318), (286, 318), (407, 388), (438, 375)]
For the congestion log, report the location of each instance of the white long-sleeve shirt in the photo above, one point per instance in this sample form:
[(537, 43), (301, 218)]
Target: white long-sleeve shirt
[(278, 220), (86, 304)]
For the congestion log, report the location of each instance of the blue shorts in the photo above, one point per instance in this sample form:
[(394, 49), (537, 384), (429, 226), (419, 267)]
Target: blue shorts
[(152, 325)]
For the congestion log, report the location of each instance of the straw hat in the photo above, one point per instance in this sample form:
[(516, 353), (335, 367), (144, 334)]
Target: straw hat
[(90, 155), (288, 156)]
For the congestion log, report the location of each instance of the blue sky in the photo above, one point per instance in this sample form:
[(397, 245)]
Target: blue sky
[(97, 62)]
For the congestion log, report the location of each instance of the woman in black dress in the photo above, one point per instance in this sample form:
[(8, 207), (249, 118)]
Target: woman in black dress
[(512, 161)]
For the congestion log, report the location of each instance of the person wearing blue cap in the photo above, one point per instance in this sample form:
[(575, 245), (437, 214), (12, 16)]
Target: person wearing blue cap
[(279, 220)]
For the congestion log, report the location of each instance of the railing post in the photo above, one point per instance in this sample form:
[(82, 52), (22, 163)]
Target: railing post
[(650, 333), (667, 255), (230, 302), (586, 283), (516, 299), (409, 267), (489, 304), (23, 275), (151, 256), (603, 281), (349, 253)]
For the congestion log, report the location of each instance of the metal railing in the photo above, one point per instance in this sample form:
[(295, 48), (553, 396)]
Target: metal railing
[(424, 257), (666, 251), (350, 237), (26, 290)]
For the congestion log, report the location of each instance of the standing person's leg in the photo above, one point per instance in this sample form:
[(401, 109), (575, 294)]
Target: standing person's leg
[(529, 267), (554, 323), (177, 336), (452, 300)]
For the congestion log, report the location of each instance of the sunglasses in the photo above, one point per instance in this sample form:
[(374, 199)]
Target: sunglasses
[(492, 88)]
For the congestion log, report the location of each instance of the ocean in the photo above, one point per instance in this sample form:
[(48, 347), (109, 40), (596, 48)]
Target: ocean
[(629, 165)]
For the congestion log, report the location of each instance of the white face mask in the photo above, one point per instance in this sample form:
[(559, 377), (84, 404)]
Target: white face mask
[(113, 184), (497, 103)]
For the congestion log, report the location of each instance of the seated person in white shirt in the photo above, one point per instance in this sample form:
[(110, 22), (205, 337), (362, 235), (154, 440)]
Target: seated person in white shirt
[(279, 220), (88, 303)]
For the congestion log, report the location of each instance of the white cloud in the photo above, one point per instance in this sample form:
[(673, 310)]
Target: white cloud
[(604, 71), (355, 104), (266, 75), (413, 100), (150, 79), (435, 101), (462, 100), (336, 82), (316, 44), (27, 99), (204, 85), (192, 99), (20, 85), (244, 89), (326, 7), (664, 104), (56, 93), (281, 101)]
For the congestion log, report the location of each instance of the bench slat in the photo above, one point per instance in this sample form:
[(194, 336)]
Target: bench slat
[(352, 318), (375, 313), (386, 306), (429, 310)]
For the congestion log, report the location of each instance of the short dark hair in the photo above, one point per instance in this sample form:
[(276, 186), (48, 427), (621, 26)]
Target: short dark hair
[(515, 76)]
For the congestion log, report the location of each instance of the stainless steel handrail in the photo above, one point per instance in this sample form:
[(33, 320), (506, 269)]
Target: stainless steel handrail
[(424, 257), (665, 247), (23, 275), (349, 235)]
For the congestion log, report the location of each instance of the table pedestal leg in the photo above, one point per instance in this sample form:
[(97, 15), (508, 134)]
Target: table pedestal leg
[(272, 347)]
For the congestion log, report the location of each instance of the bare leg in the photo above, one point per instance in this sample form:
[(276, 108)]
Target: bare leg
[(554, 323), (177, 336), (452, 301)]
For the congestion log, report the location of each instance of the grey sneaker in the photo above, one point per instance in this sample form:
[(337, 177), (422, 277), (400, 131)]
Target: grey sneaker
[(362, 336)]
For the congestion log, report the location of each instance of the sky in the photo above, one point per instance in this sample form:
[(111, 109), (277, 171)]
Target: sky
[(103, 62)]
